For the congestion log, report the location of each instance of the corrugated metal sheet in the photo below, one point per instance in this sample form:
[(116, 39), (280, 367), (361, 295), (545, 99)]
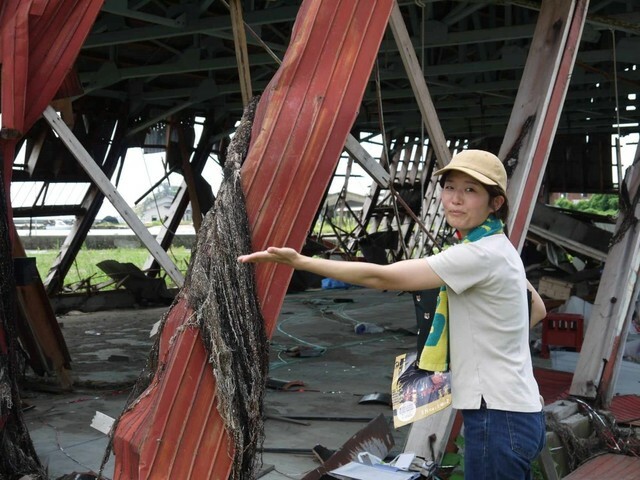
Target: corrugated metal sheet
[(39, 44), (174, 429), (554, 385), (325, 68), (626, 409), (608, 466)]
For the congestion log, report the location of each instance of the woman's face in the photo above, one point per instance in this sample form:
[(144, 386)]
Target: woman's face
[(466, 202)]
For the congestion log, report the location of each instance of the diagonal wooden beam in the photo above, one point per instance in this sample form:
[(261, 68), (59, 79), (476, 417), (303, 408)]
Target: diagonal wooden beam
[(608, 327), (419, 86), (536, 111), (367, 162), (100, 179), (242, 55), (90, 206)]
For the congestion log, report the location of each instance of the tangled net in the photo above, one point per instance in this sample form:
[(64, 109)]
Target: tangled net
[(221, 293), (606, 437)]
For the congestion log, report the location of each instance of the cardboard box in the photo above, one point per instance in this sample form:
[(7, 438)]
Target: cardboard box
[(555, 288)]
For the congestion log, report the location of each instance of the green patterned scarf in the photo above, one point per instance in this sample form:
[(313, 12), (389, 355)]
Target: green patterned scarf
[(435, 354)]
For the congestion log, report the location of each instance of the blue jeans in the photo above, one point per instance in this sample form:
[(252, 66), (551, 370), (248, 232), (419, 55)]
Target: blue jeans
[(501, 445)]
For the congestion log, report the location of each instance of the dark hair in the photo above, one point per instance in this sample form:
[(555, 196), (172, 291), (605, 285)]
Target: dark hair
[(495, 191)]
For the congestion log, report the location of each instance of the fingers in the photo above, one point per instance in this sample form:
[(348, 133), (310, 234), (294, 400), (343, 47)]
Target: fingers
[(271, 254), (254, 257)]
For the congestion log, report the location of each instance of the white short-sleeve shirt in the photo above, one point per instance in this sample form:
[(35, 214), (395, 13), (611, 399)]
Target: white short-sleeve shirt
[(488, 325)]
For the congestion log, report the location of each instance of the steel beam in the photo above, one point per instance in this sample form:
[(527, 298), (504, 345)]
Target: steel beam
[(205, 26)]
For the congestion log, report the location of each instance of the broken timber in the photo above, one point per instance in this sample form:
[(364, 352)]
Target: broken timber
[(301, 125), (603, 346), (551, 224), (40, 333), (538, 105), (375, 438)]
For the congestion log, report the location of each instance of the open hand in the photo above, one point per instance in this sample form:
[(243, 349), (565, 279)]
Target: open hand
[(285, 255)]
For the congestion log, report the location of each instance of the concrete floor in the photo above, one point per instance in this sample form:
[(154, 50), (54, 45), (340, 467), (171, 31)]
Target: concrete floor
[(109, 349)]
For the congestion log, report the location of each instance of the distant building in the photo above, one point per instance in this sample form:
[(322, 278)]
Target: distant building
[(159, 209)]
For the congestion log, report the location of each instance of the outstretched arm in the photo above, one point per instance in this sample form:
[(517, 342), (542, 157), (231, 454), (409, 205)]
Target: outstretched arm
[(406, 275)]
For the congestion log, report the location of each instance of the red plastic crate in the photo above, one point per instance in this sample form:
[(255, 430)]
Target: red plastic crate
[(562, 330)]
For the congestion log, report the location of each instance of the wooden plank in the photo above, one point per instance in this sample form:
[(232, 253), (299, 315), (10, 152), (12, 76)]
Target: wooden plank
[(538, 105), (419, 86), (101, 180), (567, 242), (367, 162), (91, 204), (614, 301), (36, 148), (39, 330)]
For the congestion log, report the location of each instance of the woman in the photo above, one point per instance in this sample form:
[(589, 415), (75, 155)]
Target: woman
[(486, 310)]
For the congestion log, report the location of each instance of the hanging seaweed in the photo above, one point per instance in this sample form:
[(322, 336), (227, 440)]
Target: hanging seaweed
[(17, 454), (221, 293)]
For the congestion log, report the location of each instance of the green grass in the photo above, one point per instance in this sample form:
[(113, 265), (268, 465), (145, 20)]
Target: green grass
[(85, 264), (346, 226)]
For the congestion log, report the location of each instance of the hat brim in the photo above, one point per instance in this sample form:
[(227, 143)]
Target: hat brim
[(482, 178)]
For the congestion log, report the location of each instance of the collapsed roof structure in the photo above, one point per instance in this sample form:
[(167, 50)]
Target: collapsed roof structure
[(548, 86)]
